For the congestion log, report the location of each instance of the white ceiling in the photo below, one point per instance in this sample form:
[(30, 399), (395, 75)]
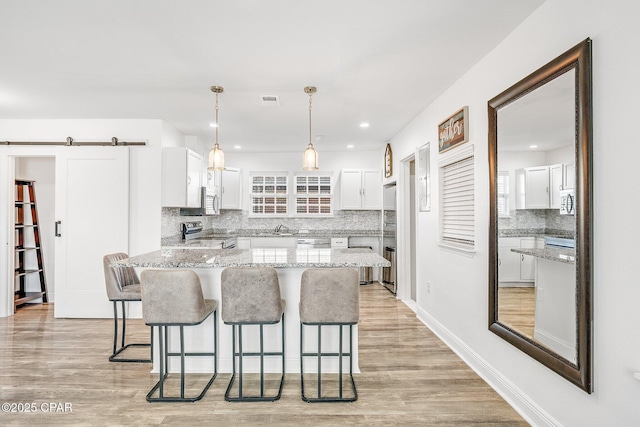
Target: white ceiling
[(375, 61)]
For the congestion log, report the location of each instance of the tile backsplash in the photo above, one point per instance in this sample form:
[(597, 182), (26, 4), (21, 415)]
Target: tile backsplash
[(547, 221), (230, 220)]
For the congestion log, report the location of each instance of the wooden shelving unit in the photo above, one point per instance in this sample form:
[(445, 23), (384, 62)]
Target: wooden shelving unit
[(28, 251)]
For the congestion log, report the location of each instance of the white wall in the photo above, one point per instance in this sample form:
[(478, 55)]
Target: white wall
[(457, 306)]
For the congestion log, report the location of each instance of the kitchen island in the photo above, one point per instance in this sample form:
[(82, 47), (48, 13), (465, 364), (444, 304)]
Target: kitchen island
[(289, 264), (555, 298)]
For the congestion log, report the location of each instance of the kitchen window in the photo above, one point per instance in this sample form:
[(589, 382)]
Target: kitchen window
[(503, 194), (457, 200), (313, 195), (269, 194)]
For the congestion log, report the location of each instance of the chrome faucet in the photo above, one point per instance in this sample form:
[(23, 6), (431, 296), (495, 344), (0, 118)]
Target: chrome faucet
[(278, 228)]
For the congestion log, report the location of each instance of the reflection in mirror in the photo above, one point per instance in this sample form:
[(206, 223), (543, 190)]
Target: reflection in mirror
[(540, 233), (536, 255)]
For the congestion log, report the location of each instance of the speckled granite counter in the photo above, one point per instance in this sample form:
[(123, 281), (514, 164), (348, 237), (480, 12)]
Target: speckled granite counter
[(219, 235), (277, 257), (565, 255)]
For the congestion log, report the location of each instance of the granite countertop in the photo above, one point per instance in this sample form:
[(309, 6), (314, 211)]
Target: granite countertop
[(213, 239), (534, 232), (276, 257), (552, 253)]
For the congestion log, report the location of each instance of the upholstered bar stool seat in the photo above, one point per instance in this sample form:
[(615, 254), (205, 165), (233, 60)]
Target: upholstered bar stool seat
[(251, 296), (122, 285), (173, 298), (330, 298)]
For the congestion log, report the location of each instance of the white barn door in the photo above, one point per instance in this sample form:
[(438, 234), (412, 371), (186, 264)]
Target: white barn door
[(92, 208)]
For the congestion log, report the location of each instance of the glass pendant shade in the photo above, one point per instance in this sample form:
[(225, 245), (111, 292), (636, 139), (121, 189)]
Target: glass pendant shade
[(310, 158), (216, 155), (216, 158)]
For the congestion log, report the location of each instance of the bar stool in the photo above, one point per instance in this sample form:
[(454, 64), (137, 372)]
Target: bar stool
[(329, 297), (251, 296), (174, 298), (122, 285)]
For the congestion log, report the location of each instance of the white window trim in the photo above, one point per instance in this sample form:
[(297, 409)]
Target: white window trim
[(287, 195), (448, 159), (294, 199), (505, 195)]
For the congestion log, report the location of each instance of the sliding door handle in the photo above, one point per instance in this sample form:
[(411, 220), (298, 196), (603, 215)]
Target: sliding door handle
[(58, 228)]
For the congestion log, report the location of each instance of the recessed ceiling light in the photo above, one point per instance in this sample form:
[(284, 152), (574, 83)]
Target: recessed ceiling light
[(213, 125), (533, 146), (237, 147), (350, 146), (364, 125)]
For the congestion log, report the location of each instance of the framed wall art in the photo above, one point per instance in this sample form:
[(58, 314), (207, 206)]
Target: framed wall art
[(454, 130), (388, 162)]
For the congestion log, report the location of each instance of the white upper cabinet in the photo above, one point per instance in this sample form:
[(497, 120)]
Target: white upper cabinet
[(539, 187), (536, 193), (231, 188), (556, 184), (361, 189), (181, 177)]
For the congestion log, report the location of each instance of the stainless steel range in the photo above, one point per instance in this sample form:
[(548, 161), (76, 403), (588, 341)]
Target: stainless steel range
[(193, 231)]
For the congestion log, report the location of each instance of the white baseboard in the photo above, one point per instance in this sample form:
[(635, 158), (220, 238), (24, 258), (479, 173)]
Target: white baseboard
[(528, 409)]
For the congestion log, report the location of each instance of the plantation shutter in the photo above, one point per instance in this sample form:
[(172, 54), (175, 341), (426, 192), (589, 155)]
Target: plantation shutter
[(457, 204)]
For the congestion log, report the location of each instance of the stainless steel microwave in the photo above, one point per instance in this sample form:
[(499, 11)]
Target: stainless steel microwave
[(567, 202), (209, 204)]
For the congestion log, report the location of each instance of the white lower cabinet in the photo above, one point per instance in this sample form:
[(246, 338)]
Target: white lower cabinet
[(515, 267), (274, 242), (243, 242)]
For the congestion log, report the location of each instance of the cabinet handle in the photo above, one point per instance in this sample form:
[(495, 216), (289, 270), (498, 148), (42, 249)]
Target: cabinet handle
[(499, 262), (522, 257), (188, 180), (57, 231)]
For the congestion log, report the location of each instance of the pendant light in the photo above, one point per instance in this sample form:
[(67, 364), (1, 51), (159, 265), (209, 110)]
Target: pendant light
[(216, 156), (310, 156)]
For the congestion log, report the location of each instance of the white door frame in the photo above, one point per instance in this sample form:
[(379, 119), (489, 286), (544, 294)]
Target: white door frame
[(403, 192)]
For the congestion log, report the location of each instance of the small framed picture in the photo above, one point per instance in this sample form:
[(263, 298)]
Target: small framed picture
[(454, 131), (388, 162)]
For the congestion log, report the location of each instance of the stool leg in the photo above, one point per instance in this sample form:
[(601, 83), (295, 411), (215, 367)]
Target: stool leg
[(115, 327), (319, 361), (240, 360), (182, 362), (163, 358), (116, 351), (261, 362), (124, 324), (340, 363)]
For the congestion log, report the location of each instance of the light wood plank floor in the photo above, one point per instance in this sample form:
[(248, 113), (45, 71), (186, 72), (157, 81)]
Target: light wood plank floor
[(517, 307), (409, 377)]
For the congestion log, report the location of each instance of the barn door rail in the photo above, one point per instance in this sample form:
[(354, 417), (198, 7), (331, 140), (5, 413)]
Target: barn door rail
[(71, 142)]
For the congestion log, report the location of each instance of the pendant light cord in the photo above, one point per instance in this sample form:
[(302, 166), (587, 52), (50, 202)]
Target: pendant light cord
[(310, 94), (217, 123)]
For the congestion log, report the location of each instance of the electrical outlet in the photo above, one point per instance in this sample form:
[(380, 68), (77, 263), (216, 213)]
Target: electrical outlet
[(428, 287)]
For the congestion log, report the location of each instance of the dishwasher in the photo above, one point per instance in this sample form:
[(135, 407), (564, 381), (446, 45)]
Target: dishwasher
[(314, 243)]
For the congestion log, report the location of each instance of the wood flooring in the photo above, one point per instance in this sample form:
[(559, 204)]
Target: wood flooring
[(409, 377), (516, 308)]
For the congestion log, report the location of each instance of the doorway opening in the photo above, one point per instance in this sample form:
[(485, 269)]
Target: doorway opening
[(407, 208), (41, 170)]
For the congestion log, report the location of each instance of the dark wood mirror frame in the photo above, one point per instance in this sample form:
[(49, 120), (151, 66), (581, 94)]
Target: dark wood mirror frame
[(579, 59)]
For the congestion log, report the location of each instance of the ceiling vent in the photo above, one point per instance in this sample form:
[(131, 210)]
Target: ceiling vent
[(270, 100)]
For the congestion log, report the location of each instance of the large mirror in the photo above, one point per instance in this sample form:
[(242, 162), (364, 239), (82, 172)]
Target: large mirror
[(540, 275)]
